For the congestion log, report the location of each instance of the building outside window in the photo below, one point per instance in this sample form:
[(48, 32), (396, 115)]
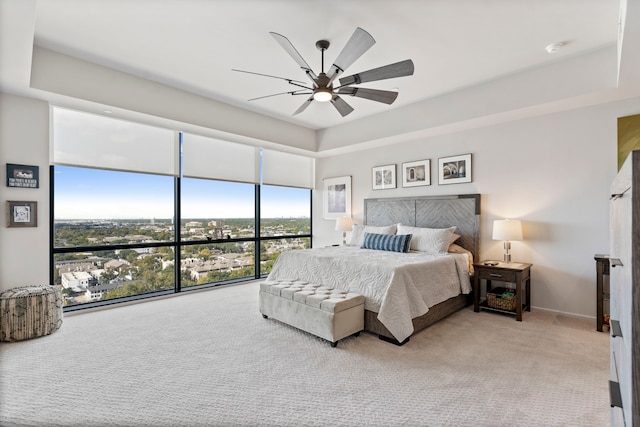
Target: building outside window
[(140, 211)]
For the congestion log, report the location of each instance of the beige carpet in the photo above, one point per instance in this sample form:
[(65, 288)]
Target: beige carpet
[(209, 358)]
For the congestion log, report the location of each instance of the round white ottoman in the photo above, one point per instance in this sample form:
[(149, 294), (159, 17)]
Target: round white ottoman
[(30, 312)]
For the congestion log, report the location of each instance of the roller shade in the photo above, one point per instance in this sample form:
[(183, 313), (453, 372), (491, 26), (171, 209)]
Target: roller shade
[(90, 140), (204, 157), (286, 169)]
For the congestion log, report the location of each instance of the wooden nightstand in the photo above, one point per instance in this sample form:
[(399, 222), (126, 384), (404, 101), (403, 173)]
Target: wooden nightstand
[(513, 272)]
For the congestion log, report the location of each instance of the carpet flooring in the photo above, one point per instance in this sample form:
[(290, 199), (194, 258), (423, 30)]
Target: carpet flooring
[(208, 358)]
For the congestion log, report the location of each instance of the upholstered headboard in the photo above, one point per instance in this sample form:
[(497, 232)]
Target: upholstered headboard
[(461, 210)]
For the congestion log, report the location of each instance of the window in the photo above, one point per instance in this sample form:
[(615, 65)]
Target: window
[(94, 207), (91, 276), (129, 212), (219, 262), (216, 209), (140, 211), (285, 222)]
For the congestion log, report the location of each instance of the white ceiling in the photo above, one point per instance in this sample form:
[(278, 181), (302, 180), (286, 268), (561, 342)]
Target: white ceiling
[(194, 44)]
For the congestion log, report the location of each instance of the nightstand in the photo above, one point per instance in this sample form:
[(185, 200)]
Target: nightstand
[(518, 273)]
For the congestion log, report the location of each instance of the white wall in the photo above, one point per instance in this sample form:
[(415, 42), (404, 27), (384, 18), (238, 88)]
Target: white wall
[(552, 172), (24, 139)]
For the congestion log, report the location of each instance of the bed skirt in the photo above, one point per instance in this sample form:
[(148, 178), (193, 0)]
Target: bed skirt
[(435, 313)]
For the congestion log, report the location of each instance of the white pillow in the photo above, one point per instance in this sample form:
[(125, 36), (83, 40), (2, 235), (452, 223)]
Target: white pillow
[(429, 240), (357, 233)]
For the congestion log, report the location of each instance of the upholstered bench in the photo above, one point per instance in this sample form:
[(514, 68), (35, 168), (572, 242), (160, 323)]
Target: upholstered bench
[(30, 312), (328, 313)]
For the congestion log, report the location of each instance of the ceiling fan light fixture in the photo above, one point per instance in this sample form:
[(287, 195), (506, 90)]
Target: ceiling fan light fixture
[(323, 94)]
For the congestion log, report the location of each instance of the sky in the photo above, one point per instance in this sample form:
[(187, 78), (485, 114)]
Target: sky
[(82, 193)]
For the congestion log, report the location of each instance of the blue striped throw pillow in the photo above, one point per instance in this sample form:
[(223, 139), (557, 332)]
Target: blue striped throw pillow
[(387, 242)]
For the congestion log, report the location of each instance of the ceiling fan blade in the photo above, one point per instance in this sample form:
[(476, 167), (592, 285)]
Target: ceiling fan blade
[(358, 44), (295, 92), (304, 105), (341, 105), (288, 47), (384, 96), (399, 69), (269, 75)]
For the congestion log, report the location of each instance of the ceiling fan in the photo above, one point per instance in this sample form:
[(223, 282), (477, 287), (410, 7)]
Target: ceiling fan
[(323, 89)]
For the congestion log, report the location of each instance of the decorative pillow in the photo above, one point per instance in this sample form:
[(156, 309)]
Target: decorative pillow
[(387, 242), (357, 233), (429, 240), (454, 237)]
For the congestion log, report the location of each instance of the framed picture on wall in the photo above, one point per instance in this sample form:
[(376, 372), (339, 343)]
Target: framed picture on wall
[(22, 214), (336, 197), (22, 176), (455, 169), (415, 174), (384, 177)]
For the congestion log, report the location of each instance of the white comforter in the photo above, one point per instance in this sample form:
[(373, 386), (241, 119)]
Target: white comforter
[(398, 286)]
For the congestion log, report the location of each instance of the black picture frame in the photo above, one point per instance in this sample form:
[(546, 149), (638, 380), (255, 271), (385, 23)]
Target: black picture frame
[(23, 176), (22, 214)]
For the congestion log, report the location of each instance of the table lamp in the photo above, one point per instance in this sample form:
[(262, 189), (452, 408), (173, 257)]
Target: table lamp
[(344, 224), (507, 230)]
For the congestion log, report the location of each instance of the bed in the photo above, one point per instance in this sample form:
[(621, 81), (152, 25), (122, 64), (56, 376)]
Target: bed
[(404, 292)]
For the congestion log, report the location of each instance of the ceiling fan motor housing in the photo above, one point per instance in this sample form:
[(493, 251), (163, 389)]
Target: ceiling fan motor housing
[(323, 45)]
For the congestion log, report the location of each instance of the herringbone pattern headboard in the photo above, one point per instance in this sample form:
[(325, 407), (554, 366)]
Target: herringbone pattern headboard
[(462, 210)]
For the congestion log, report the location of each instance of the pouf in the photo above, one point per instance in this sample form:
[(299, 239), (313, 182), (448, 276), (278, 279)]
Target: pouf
[(29, 312)]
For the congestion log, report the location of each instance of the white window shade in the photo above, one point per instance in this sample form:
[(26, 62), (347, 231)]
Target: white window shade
[(89, 140), (286, 169), (211, 158)]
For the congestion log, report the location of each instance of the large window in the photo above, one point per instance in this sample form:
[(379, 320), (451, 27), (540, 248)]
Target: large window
[(140, 211)]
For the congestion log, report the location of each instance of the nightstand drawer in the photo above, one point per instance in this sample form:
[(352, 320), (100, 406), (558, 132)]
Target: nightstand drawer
[(497, 274)]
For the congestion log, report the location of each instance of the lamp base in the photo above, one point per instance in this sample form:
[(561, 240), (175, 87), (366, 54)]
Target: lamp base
[(507, 254)]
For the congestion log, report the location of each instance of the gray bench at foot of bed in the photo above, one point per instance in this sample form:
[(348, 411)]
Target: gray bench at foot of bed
[(328, 313)]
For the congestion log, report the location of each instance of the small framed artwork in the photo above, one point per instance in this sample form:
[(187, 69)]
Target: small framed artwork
[(455, 169), (22, 214), (336, 197), (384, 177), (22, 176), (415, 174)]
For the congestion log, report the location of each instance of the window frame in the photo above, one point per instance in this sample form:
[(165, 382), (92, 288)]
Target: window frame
[(177, 244)]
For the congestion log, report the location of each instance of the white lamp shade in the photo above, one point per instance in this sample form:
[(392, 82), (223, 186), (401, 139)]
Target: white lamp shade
[(344, 224), (507, 229)]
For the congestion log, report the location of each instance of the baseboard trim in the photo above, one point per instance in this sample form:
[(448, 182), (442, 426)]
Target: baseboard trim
[(564, 313)]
